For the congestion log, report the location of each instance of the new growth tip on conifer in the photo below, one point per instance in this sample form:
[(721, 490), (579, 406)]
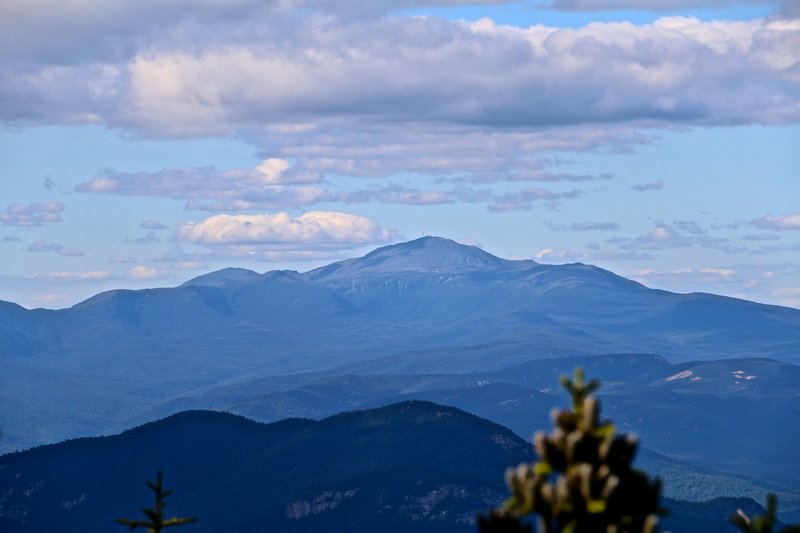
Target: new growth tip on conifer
[(584, 481), (156, 522)]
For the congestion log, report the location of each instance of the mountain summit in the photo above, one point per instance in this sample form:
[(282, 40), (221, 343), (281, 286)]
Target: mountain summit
[(426, 254)]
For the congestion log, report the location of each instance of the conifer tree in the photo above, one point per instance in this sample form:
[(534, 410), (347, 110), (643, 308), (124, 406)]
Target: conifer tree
[(583, 482), (156, 521)]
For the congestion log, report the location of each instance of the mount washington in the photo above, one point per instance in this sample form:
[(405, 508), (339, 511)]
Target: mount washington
[(710, 383)]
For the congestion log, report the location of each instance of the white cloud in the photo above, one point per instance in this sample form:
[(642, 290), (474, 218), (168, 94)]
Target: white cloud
[(65, 276), (35, 214), (141, 272), (565, 255), (787, 291), (782, 222), (49, 299), (189, 265), (313, 229), (651, 5)]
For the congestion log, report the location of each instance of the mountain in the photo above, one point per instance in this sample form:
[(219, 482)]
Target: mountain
[(412, 466), (700, 377)]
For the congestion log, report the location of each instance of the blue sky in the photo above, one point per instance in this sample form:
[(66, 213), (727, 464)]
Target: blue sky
[(145, 143)]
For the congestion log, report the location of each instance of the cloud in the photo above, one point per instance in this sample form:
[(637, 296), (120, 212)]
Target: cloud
[(272, 184), (152, 225), (793, 292), (682, 234), (778, 223), (189, 265), (97, 30), (60, 249), (147, 238), (44, 246), (197, 182), (525, 199), (311, 229), (141, 272), (564, 255), (761, 237), (12, 238), (689, 279), (649, 5), (122, 259), (654, 186), (203, 75), (585, 226), (68, 277), (49, 299), (35, 214)]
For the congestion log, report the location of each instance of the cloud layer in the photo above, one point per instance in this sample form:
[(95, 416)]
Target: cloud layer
[(202, 76)]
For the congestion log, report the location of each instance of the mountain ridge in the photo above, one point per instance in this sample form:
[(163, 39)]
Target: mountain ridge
[(410, 466)]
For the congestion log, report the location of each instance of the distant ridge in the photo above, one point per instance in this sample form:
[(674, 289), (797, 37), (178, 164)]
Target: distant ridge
[(413, 466)]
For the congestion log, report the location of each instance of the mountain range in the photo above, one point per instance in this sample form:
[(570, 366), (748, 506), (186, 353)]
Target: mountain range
[(710, 383), (411, 466)]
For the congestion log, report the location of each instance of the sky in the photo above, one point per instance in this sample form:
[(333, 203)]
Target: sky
[(143, 143)]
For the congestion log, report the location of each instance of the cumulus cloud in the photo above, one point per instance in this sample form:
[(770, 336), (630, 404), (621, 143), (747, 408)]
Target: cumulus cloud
[(35, 214), (778, 223), (653, 186), (311, 229), (60, 249)]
